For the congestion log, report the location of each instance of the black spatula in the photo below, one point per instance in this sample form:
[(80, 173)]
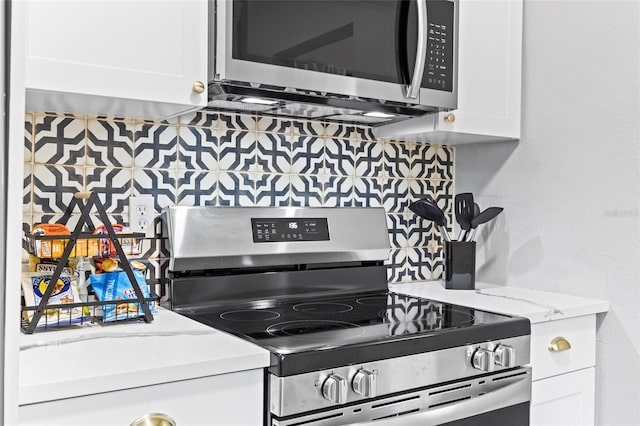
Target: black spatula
[(465, 211)]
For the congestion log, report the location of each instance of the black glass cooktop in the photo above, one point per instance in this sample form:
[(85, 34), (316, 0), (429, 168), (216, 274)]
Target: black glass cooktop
[(369, 325)]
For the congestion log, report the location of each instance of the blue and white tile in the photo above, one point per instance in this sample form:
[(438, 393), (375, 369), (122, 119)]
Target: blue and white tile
[(157, 269), (419, 230), (365, 134), (110, 143), (237, 122), (113, 187), (397, 266), (161, 184), (59, 139), (398, 232), (422, 188), (367, 192), (197, 188), (198, 148), (341, 130), (272, 190), (270, 124), (155, 146), (423, 161), (418, 264), (237, 151), (208, 119), (435, 261), (307, 190), (443, 162), (338, 191), (273, 153), (307, 155), (236, 189), (443, 194), (27, 187), (308, 128), (395, 195), (397, 159), (369, 159), (54, 186), (28, 137), (340, 157)]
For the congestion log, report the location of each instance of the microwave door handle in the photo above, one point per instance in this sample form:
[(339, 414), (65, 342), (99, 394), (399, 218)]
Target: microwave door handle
[(421, 51)]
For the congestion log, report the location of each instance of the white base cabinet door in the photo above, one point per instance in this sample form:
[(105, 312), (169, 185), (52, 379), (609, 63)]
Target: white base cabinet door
[(225, 400), (132, 58), (565, 400)]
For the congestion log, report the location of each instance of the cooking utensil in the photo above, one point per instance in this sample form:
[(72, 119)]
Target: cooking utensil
[(483, 217), (464, 209), (427, 208)]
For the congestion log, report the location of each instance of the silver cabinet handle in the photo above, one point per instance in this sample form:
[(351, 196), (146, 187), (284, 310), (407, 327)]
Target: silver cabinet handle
[(421, 51)]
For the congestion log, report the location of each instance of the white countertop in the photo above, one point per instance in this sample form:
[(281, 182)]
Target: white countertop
[(538, 306), (72, 362)]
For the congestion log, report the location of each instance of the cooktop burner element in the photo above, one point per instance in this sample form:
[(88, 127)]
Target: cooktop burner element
[(249, 315), (323, 331), (323, 308)]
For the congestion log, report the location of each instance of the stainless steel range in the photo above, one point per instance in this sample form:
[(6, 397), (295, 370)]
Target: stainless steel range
[(309, 285)]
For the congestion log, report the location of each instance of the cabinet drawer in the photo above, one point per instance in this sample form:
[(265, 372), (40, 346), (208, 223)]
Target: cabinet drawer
[(579, 332), (225, 400)]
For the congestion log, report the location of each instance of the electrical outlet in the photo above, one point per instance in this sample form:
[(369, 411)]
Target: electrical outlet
[(141, 214)]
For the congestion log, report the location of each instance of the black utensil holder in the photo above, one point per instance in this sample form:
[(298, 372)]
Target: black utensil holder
[(460, 265)]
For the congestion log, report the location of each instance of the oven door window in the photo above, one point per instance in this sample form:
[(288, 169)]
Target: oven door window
[(369, 39)]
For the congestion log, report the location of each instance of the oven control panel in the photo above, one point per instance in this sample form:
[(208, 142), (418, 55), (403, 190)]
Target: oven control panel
[(277, 230)]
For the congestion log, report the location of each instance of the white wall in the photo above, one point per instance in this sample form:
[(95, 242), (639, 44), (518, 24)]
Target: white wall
[(570, 187)]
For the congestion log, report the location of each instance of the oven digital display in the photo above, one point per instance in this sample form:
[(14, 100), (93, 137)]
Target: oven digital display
[(277, 230)]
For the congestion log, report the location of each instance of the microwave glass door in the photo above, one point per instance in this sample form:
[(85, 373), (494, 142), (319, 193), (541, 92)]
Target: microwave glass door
[(364, 39)]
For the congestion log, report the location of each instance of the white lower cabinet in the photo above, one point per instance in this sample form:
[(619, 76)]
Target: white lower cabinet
[(226, 399), (564, 400), (563, 363)]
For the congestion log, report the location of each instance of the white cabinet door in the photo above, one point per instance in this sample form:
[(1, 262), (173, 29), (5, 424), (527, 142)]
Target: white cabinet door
[(135, 58), (564, 400), (489, 80), (225, 400)]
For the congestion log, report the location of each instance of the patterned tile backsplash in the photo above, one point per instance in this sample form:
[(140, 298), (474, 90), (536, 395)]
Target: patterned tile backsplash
[(227, 159)]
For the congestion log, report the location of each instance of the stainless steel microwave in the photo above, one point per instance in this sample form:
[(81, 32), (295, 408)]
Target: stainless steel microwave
[(370, 61)]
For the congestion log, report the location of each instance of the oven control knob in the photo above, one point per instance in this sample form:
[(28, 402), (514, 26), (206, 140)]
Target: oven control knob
[(483, 359), (505, 356), (335, 389), (364, 383)]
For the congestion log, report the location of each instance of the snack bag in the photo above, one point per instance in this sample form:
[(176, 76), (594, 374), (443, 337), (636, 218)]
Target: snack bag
[(35, 284), (116, 286)]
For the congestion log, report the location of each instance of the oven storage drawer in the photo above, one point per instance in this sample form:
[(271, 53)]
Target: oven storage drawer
[(558, 347)]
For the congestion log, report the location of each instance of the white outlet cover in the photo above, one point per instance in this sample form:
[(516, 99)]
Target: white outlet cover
[(142, 214)]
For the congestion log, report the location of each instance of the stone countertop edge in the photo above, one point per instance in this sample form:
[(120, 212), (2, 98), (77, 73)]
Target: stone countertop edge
[(82, 361), (537, 306)]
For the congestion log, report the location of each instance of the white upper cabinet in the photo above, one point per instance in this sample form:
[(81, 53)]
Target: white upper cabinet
[(489, 81), (137, 58)]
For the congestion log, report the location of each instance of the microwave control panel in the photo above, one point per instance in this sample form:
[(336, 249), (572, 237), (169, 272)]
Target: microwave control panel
[(275, 230), (438, 72)]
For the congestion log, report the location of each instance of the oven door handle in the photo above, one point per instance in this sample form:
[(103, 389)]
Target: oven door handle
[(516, 392)]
